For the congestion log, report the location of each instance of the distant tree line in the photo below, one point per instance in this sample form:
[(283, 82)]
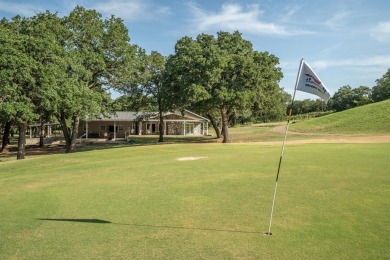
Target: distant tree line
[(347, 97), (61, 69)]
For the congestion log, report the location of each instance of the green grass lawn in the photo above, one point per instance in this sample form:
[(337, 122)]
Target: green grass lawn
[(368, 119), (140, 202)]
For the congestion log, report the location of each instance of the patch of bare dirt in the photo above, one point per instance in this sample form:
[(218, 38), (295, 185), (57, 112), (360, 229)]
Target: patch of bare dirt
[(191, 158), (332, 138), (338, 139)]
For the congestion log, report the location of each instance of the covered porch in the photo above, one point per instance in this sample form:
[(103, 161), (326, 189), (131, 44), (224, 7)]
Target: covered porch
[(124, 124)]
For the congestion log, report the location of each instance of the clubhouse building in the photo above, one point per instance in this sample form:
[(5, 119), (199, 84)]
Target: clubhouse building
[(122, 124)]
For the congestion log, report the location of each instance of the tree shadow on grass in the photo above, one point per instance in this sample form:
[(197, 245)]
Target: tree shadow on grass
[(48, 149), (100, 221), (82, 220), (149, 140)]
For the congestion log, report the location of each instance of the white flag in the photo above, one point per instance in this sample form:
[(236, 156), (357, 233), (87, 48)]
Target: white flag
[(309, 82)]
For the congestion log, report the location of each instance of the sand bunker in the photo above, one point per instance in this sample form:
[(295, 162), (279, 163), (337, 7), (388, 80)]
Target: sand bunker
[(192, 158)]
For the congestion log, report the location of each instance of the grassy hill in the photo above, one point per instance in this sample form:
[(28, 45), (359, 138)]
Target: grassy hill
[(369, 119)]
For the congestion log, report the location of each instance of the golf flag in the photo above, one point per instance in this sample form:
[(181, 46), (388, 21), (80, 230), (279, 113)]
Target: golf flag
[(309, 82)]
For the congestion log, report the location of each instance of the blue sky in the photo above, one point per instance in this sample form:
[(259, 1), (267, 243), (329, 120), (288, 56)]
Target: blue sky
[(346, 42)]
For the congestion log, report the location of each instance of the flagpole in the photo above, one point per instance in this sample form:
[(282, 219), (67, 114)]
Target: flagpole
[(282, 151)]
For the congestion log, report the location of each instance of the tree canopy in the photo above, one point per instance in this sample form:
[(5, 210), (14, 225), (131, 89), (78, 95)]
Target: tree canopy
[(27, 67), (221, 73), (381, 91), (61, 67), (147, 86), (347, 97)]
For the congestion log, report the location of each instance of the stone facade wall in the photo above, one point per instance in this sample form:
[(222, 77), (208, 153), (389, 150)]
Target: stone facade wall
[(198, 129), (175, 128)]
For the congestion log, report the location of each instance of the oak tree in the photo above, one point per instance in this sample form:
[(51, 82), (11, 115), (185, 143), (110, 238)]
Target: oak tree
[(223, 73)]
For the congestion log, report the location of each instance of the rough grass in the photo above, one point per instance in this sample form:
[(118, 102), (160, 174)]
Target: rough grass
[(140, 202), (368, 119)]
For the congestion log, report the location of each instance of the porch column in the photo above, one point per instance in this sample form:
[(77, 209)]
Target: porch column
[(202, 128), (207, 128), (140, 128), (86, 129), (165, 128), (184, 127), (114, 130)]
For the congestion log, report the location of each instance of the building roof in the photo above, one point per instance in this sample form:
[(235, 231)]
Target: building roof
[(150, 116), (123, 116)]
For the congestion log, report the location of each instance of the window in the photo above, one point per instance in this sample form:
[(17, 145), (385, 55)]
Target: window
[(189, 129), (120, 127), (111, 128), (133, 128), (151, 128), (102, 128)]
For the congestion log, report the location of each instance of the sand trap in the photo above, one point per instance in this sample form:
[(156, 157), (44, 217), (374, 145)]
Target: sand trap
[(192, 158)]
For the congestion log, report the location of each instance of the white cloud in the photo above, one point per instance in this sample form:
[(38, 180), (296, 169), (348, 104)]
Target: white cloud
[(20, 9), (338, 20), (381, 32), (165, 10), (291, 11), (382, 61), (331, 49), (236, 17), (130, 10)]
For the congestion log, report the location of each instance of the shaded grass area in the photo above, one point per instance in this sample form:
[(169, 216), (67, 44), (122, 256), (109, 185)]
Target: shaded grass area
[(368, 119), (173, 139), (93, 144), (139, 202)]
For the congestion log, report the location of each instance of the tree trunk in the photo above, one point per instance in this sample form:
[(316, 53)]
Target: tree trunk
[(225, 122), (41, 134), (75, 131), (214, 124), (70, 135), (161, 127), (232, 119), (6, 140), (21, 141), (65, 131)]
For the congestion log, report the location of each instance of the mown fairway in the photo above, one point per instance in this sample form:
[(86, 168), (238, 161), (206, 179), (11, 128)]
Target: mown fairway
[(140, 202)]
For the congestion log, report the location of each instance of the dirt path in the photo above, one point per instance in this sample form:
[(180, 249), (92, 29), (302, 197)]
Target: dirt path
[(331, 138), (337, 139)]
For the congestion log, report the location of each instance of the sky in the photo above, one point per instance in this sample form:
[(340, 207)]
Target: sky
[(346, 42)]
